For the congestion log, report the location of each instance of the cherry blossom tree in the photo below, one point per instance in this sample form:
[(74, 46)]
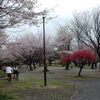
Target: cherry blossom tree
[(24, 51), (29, 49), (14, 12), (7, 59), (3, 38), (63, 38)]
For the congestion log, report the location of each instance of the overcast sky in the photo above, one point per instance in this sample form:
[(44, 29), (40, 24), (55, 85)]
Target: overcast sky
[(64, 10), (66, 7)]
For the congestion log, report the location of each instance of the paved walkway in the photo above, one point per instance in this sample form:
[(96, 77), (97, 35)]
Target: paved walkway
[(87, 89)]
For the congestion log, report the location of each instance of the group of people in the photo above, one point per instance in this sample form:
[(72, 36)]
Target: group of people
[(11, 73)]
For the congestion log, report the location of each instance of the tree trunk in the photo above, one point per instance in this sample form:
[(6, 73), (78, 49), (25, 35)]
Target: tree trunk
[(92, 65), (89, 64), (81, 67), (39, 63), (67, 66), (34, 65), (75, 63), (79, 74), (50, 62), (30, 66), (95, 64), (0, 67)]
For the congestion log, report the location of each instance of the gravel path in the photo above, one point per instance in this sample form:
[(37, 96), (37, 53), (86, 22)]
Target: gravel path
[(87, 89)]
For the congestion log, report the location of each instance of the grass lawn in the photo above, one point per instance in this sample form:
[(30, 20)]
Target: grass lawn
[(31, 88)]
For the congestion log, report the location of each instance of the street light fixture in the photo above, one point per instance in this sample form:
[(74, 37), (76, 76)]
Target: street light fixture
[(44, 50)]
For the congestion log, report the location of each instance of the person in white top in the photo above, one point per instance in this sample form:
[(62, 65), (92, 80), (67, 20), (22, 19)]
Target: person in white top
[(9, 72)]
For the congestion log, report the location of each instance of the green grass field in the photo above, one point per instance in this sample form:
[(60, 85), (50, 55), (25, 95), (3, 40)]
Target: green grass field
[(31, 88)]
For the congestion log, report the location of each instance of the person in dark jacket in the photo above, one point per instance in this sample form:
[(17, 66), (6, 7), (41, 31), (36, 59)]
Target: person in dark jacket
[(15, 73)]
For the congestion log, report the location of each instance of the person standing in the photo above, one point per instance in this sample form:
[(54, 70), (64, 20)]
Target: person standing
[(4, 71), (16, 73), (9, 71)]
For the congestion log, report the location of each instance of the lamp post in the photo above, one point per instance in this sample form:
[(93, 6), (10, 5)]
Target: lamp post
[(44, 52), (29, 6)]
